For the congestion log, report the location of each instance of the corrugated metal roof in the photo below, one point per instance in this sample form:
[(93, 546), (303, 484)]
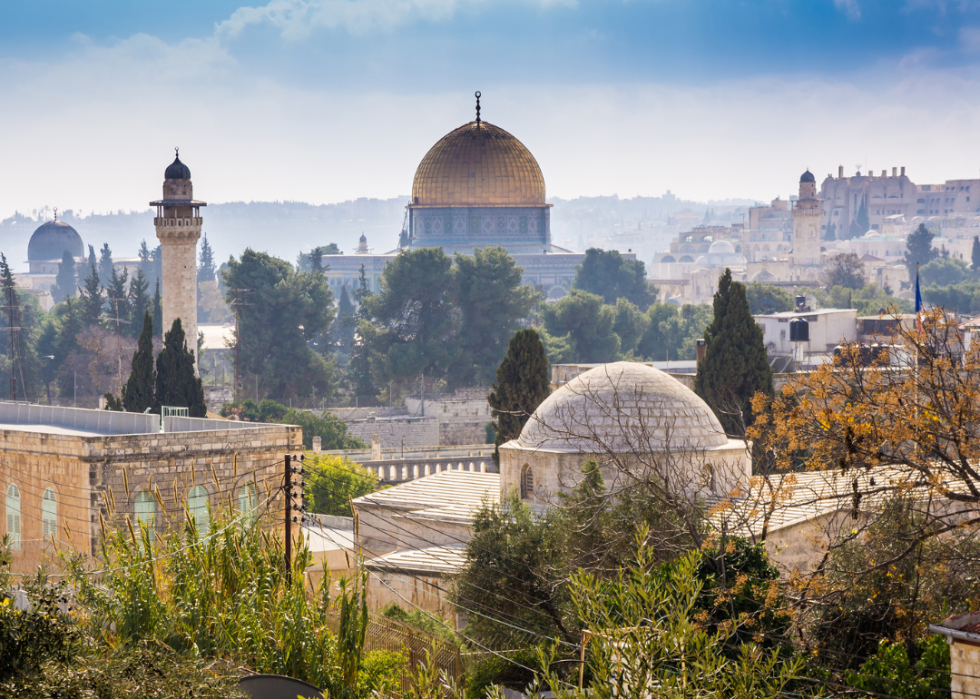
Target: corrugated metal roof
[(454, 495), (434, 559)]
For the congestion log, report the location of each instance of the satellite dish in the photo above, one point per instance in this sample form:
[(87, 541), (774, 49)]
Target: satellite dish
[(278, 687)]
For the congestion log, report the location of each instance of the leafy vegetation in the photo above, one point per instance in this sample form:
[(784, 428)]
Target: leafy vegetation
[(333, 481), (608, 274), (331, 430)]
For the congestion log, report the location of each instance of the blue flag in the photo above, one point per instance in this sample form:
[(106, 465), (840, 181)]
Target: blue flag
[(918, 293)]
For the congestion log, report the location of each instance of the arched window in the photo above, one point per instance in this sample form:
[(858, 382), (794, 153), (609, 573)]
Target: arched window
[(247, 502), (145, 509), (49, 514), (197, 507), (12, 506), (527, 482)]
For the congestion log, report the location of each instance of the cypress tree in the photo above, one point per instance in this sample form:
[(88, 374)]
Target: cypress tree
[(735, 366), (345, 321), (177, 383), (157, 312), (139, 301), (105, 262), (206, 269), (92, 261), (92, 299), (138, 393), (65, 282), (522, 383), (975, 254)]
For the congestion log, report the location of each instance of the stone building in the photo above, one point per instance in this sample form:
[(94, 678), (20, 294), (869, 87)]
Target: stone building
[(64, 470), (962, 633), (178, 226), (844, 198), (634, 421)]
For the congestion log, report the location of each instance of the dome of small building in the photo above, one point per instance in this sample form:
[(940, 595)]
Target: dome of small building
[(478, 164), (51, 240), (702, 261), (177, 171), (807, 177), (623, 407), (721, 247)]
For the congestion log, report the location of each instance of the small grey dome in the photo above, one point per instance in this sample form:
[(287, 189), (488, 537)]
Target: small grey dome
[(177, 171), (807, 177), (363, 238), (51, 240)]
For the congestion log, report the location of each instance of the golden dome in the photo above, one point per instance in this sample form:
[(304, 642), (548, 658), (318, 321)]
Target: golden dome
[(478, 164)]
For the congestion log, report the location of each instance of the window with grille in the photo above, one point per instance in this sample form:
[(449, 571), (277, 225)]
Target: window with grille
[(197, 507), (49, 514), (12, 507), (527, 482)]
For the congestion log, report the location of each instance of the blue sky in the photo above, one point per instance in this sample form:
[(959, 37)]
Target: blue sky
[(325, 100)]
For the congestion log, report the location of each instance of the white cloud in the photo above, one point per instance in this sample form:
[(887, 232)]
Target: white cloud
[(851, 8), (296, 19)]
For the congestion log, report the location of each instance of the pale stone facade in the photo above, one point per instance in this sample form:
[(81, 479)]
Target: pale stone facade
[(99, 465), (178, 225)]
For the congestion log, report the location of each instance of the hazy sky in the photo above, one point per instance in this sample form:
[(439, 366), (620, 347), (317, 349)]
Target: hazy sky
[(326, 100)]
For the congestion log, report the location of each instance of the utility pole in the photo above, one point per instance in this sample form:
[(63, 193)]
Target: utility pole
[(288, 491), (238, 335)]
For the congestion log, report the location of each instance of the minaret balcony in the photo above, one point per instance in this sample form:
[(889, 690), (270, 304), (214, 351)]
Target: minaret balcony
[(177, 222)]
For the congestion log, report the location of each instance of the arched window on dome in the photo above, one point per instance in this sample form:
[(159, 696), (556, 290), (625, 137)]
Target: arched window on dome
[(49, 514), (527, 482), (12, 507)]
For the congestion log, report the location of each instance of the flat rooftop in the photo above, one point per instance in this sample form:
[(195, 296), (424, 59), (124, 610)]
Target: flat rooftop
[(82, 422)]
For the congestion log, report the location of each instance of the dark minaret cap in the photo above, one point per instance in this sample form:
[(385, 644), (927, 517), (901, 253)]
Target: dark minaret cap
[(177, 170), (807, 177)]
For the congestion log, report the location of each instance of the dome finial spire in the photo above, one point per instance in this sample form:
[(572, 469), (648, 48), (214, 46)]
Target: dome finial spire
[(56, 213), (477, 95)]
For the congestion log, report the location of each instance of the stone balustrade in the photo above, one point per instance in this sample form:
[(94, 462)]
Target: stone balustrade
[(403, 471)]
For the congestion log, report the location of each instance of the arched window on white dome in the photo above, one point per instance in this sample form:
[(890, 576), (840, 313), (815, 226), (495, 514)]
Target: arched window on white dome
[(49, 514), (12, 507), (527, 482)]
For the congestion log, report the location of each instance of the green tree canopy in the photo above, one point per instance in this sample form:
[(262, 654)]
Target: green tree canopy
[(139, 302), (177, 383), (206, 268), (522, 383), (919, 249), (945, 271), (283, 328), (975, 255), (413, 321), (586, 324), (610, 275), (18, 348), (333, 481), (105, 262), (672, 332), (345, 324), (846, 270), (766, 298), (491, 302), (65, 284), (139, 392), (92, 299), (630, 325), (734, 367)]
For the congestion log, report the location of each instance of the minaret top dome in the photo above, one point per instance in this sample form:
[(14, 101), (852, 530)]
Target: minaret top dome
[(177, 170)]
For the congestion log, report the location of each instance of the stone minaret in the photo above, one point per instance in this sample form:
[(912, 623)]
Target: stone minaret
[(806, 223), (178, 223)]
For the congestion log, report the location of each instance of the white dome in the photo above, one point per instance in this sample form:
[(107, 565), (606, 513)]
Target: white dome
[(702, 261), (623, 407), (721, 247)]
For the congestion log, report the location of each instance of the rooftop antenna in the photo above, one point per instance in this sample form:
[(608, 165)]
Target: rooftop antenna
[(478, 95)]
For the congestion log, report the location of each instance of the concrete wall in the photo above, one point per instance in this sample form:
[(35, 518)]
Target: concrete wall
[(411, 432), (102, 475)]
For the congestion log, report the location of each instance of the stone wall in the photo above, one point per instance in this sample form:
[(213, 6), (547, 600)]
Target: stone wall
[(216, 396), (101, 476), (412, 432), (965, 669), (453, 434), (350, 414)]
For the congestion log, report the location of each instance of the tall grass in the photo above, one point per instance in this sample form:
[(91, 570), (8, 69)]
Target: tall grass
[(225, 596)]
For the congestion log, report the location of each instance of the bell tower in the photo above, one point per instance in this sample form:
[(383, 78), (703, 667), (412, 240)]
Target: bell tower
[(806, 223), (178, 225)]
